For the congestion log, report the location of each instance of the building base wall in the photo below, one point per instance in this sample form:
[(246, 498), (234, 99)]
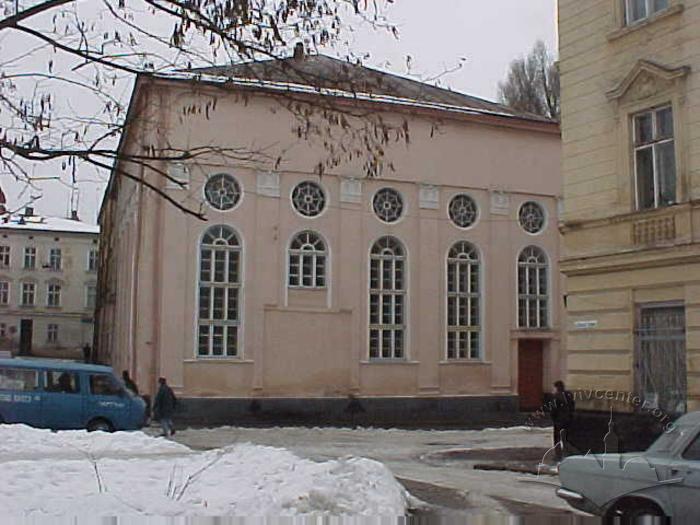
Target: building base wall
[(631, 432), (443, 412)]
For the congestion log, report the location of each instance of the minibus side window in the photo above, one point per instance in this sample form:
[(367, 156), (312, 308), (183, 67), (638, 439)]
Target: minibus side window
[(19, 379), (104, 385), (62, 382)]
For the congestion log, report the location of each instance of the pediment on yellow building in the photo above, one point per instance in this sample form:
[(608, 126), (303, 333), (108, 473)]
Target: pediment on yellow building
[(645, 80)]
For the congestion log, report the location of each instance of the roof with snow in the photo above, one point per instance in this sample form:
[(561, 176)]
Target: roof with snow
[(327, 74), (47, 224)]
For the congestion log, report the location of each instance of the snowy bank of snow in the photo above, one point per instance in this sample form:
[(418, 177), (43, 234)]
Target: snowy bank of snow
[(23, 442), (241, 480)]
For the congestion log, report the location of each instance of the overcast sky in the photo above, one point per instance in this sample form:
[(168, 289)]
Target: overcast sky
[(436, 34)]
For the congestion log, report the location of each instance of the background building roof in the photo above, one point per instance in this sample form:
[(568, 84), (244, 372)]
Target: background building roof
[(49, 224)]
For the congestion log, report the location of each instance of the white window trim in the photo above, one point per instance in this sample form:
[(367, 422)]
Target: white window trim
[(57, 293), (239, 357), (649, 8), (652, 145), (406, 306), (4, 248), (547, 297), (314, 254), (87, 295), (34, 258), (89, 259), (9, 294), (56, 338), (480, 296), (51, 266), (22, 294)]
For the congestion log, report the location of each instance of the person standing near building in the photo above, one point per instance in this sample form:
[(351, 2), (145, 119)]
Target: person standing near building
[(562, 412), (164, 407), (129, 383)]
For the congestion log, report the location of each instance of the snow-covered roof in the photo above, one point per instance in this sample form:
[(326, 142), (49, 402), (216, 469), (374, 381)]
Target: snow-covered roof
[(48, 224)]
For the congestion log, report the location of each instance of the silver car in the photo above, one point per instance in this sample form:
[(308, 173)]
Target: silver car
[(663, 481)]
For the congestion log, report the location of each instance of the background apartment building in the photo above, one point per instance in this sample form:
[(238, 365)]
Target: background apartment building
[(48, 278), (631, 218)]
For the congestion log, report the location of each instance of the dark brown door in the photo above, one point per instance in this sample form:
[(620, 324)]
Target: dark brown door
[(25, 336), (530, 374)]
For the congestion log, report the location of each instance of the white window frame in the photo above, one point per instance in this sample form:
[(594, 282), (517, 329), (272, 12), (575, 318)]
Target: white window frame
[(225, 246), (4, 292), (28, 290), (653, 145), (92, 260), (388, 301), (88, 294), (53, 295), (533, 267), (55, 259), (307, 264), (3, 330), (648, 8), (29, 262), (463, 339), (52, 331), (5, 254)]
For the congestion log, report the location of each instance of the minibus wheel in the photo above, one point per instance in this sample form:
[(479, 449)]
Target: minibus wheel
[(100, 425)]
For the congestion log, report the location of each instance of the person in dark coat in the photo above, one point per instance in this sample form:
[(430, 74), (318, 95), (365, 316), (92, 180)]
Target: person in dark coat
[(164, 407), (129, 383), (562, 412)]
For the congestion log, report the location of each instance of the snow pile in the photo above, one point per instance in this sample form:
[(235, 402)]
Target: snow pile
[(241, 480), (23, 442)]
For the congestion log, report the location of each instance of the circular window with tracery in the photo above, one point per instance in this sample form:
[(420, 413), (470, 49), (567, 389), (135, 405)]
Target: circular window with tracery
[(308, 199), (463, 211), (388, 205), (222, 191), (532, 217)]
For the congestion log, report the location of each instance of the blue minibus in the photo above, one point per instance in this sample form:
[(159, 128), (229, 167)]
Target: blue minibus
[(61, 395)]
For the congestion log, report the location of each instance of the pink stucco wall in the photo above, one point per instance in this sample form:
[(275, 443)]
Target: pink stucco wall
[(315, 344)]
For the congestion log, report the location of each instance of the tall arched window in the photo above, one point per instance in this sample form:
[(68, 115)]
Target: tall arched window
[(219, 293), (387, 299), (307, 261), (463, 302), (533, 289)]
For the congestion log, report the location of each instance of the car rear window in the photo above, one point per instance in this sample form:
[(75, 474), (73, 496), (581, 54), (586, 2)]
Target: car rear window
[(62, 382), (19, 379), (692, 453), (666, 442)]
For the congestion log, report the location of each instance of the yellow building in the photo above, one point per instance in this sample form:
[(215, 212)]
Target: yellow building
[(631, 218)]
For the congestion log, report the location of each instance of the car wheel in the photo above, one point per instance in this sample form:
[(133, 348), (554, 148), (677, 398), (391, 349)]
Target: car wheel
[(634, 512), (100, 425)]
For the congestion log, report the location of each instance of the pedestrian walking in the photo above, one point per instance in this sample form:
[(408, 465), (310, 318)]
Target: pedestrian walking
[(164, 407), (562, 412), (129, 383)]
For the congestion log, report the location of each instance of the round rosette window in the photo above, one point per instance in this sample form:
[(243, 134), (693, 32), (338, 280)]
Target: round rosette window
[(463, 211), (388, 205), (308, 199), (222, 192), (532, 217)]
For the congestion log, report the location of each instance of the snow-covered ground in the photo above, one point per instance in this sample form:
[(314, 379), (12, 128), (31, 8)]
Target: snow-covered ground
[(64, 475), (409, 455)]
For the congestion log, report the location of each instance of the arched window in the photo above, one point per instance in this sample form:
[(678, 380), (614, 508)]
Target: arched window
[(533, 289), (219, 293), (463, 302), (307, 261), (387, 299)]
